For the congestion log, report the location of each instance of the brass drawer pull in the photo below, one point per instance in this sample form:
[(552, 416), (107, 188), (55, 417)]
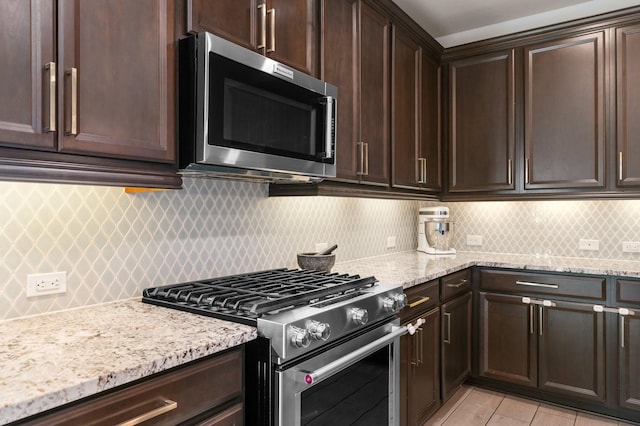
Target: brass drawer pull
[(457, 285), (168, 406), (530, 284), (419, 302), (50, 126)]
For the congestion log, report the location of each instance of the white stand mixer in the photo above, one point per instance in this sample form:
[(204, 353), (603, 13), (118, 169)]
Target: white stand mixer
[(434, 231)]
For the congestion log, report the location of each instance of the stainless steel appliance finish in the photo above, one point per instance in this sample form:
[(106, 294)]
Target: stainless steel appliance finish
[(243, 115), (314, 329)]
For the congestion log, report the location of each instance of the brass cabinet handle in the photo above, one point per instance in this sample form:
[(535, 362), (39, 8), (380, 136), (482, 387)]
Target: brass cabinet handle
[(422, 170), (263, 26), (620, 172), (419, 301), (71, 123), (458, 285), (51, 125), (364, 159), (448, 339), (167, 406), (532, 284), (272, 31)]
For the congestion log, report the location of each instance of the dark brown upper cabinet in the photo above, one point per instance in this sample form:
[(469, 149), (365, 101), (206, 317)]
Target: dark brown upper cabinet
[(356, 60), (564, 113), (116, 79), (286, 31), (27, 74), (88, 88), (628, 105), (482, 123), (415, 117)]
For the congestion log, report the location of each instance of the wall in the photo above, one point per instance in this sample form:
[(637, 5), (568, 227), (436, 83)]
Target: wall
[(113, 244), (549, 228)]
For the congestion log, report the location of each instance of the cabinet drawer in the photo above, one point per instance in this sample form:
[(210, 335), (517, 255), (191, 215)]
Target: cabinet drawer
[(551, 284), (420, 299), (628, 291), (455, 284), (174, 397)]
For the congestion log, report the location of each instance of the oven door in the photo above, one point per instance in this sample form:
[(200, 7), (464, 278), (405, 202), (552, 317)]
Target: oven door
[(354, 383)]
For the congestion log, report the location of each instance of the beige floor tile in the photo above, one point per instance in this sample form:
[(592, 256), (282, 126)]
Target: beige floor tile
[(448, 407), (498, 420), (584, 419), (558, 411), (543, 418), (476, 409), (517, 408)]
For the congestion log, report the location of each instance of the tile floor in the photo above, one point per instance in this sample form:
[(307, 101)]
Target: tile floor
[(471, 406)]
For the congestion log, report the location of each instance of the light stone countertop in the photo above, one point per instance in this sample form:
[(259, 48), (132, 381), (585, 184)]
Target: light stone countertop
[(412, 267), (50, 360), (53, 359)]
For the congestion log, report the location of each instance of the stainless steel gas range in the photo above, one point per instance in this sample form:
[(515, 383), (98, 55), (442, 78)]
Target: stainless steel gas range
[(328, 345)]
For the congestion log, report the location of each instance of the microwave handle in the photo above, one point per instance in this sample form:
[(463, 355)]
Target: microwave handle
[(330, 117)]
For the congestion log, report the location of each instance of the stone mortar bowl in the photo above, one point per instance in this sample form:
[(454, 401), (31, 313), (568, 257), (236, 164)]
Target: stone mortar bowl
[(316, 262)]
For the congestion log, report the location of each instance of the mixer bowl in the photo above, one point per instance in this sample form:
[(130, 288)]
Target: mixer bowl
[(438, 234)]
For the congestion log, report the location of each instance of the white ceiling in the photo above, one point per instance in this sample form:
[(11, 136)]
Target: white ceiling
[(456, 22)]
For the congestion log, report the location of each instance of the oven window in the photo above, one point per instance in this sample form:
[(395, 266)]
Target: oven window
[(358, 395)]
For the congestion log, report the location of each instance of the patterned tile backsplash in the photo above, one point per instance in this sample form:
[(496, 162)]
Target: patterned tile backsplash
[(112, 244)]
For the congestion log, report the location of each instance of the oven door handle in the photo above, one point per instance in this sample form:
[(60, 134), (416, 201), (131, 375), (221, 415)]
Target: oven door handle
[(311, 377)]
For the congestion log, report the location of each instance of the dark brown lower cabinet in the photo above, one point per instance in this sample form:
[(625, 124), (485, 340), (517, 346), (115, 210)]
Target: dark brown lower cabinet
[(419, 377), (206, 392), (455, 343), (558, 349), (629, 362)]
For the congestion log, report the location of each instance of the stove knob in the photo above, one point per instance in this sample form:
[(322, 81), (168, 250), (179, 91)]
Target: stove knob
[(395, 302), (319, 330), (300, 337), (359, 316)]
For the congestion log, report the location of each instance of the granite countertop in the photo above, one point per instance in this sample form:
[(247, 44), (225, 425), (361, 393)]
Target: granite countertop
[(53, 359), (412, 267)]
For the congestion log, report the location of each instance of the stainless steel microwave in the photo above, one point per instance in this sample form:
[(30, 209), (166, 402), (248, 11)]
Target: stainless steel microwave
[(244, 115)]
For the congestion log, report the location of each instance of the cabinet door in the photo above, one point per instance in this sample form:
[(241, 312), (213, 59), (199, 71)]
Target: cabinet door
[(419, 375), (482, 123), (508, 341), (27, 44), (405, 106), (120, 101), (456, 343), (629, 362), (564, 113), (415, 142), (374, 95), (628, 105), (572, 351), (294, 33), (234, 20), (429, 124), (341, 68)]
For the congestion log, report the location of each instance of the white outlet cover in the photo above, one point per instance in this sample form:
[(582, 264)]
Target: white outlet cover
[(391, 242), (47, 283), (589, 245)]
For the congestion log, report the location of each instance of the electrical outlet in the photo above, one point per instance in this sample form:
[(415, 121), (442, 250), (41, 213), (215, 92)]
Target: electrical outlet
[(49, 283), (474, 240), (391, 242), (591, 245), (321, 246), (631, 247)]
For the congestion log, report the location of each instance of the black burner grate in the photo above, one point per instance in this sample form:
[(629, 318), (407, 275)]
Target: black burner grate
[(245, 297)]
